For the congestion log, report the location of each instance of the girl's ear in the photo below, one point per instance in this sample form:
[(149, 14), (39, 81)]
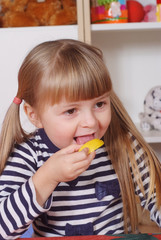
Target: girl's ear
[(32, 115)]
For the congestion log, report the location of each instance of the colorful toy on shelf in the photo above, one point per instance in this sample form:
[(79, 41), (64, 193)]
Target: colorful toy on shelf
[(150, 13), (135, 11), (24, 13), (109, 11), (138, 11), (151, 117), (158, 11)]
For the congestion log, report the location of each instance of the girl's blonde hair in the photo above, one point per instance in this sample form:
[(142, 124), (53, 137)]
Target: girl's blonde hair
[(76, 71)]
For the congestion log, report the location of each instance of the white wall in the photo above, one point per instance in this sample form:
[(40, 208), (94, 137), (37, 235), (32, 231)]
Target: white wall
[(134, 61), (15, 43)]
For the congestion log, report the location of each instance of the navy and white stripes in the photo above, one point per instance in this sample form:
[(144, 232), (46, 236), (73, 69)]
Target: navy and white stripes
[(90, 204)]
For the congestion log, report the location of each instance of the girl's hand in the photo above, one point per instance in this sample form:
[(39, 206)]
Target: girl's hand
[(68, 163), (63, 166)]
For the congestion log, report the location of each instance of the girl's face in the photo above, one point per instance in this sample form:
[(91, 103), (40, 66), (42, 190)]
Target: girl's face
[(76, 122)]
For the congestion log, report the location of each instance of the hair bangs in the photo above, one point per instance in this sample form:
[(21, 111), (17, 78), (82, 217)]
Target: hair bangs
[(76, 77), (75, 72), (85, 82)]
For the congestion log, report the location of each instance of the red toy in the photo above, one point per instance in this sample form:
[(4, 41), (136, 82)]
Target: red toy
[(135, 11)]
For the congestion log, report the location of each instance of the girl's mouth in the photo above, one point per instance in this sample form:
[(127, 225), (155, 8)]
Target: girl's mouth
[(83, 139)]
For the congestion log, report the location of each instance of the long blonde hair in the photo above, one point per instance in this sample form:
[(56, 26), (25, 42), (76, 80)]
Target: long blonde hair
[(76, 71)]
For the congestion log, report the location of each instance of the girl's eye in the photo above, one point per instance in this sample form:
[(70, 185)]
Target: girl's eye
[(100, 104), (70, 111)]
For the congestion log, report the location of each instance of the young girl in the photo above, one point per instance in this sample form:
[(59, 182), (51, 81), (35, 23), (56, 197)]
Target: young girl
[(45, 180)]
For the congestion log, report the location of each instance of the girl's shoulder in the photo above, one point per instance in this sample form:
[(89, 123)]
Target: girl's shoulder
[(32, 146), (32, 152), (135, 143), (138, 149), (33, 142), (37, 146)]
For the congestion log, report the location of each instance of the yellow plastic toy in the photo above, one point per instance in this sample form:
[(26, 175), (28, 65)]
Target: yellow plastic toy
[(92, 145)]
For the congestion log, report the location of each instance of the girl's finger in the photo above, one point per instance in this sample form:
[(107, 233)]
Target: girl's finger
[(84, 164), (70, 149)]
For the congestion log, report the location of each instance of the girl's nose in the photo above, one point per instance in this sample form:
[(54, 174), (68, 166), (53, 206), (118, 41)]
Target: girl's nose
[(88, 120)]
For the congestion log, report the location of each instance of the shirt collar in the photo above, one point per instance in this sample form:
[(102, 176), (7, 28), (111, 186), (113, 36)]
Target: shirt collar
[(47, 141)]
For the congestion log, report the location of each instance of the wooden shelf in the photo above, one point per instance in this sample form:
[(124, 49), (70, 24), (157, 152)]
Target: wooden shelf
[(126, 26)]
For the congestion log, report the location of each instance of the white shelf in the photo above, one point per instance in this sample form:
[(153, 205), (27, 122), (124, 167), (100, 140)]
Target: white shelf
[(126, 26), (59, 29), (152, 136)]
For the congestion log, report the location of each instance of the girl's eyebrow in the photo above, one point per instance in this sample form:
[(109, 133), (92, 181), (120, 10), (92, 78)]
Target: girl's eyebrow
[(76, 103), (69, 105)]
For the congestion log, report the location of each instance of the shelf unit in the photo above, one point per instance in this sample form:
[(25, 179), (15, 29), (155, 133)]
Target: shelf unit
[(126, 26), (88, 27), (152, 136)]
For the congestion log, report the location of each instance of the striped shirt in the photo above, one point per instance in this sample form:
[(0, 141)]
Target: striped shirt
[(88, 205)]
